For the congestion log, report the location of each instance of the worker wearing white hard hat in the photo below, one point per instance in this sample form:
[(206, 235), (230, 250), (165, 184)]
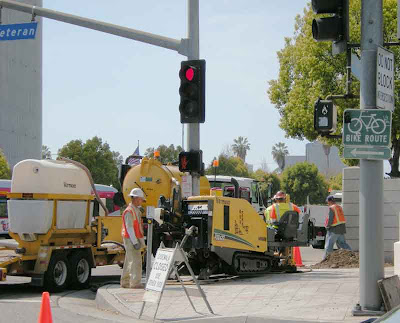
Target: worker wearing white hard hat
[(133, 237)]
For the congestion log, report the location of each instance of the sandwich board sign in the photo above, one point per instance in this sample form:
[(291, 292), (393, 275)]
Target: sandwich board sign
[(164, 264)]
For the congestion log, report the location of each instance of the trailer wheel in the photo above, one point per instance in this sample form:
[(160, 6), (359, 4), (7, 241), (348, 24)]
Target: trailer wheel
[(57, 276), (81, 270)]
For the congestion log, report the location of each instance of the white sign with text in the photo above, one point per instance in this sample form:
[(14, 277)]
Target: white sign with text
[(160, 269), (385, 79)]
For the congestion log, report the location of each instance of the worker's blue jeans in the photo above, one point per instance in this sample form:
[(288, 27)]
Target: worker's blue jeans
[(332, 238)]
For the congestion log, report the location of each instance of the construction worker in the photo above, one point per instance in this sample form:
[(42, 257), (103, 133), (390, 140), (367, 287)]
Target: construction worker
[(133, 237), (274, 212), (335, 224)]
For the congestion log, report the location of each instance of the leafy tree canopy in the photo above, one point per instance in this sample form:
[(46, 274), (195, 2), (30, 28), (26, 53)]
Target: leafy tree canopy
[(302, 180), (229, 166), (168, 154), (335, 182), (267, 180), (5, 172), (308, 70), (96, 156)]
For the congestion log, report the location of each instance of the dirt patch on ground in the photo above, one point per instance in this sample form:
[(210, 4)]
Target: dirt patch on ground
[(341, 259)]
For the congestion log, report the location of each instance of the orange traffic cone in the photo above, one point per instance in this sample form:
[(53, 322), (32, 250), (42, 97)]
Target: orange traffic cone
[(45, 310), (297, 257)]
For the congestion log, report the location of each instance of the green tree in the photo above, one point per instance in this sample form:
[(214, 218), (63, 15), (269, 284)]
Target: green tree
[(229, 166), (335, 182), (168, 154), (97, 157), (308, 70), (302, 180), (270, 183), (240, 147), (279, 152), (46, 153), (5, 172)]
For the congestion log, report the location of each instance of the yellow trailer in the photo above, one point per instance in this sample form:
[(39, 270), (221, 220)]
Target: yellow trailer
[(57, 239)]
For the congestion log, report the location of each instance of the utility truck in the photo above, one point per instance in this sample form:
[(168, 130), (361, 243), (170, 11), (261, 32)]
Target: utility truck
[(57, 239)]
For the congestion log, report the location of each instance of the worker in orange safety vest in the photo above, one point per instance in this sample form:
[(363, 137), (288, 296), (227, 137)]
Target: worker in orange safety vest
[(274, 212), (133, 237), (335, 224)]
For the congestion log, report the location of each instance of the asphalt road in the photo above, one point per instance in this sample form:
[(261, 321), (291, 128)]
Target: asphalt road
[(20, 302)]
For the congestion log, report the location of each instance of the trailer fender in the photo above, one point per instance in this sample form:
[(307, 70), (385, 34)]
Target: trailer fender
[(43, 259)]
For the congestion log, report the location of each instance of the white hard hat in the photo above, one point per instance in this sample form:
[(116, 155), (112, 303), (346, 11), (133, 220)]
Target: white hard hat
[(137, 192)]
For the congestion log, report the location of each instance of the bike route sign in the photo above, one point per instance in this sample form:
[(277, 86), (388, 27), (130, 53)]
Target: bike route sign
[(370, 127), (367, 153)]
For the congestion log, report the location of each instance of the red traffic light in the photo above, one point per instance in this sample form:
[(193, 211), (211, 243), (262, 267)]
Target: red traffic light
[(189, 74)]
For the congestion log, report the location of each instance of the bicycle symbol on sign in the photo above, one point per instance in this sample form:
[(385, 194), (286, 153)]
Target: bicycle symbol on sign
[(370, 122)]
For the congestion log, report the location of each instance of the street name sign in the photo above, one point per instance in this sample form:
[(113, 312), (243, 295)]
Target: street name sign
[(385, 79), (18, 31), (371, 127), (366, 153)]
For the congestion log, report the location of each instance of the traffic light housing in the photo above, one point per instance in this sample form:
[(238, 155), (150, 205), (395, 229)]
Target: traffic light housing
[(332, 28), (192, 91), (325, 116), (191, 161)]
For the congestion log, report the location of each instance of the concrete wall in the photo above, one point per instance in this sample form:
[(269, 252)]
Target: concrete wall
[(391, 208), (328, 166), (21, 91)]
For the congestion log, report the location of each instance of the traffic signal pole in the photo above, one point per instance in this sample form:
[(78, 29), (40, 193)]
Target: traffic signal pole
[(193, 52), (371, 177)]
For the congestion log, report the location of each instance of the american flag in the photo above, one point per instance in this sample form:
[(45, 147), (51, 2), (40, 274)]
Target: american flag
[(134, 159)]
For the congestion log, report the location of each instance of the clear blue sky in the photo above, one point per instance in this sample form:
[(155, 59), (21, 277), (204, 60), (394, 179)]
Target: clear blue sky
[(123, 91)]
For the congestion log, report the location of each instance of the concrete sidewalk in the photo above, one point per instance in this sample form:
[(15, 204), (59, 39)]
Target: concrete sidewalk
[(325, 295)]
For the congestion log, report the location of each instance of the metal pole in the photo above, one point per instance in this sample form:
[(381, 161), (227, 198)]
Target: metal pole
[(371, 177), (193, 129), (149, 247), (105, 27)]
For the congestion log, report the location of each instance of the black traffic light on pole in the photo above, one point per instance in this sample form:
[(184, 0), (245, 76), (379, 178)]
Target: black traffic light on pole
[(192, 91), (191, 161), (333, 28), (325, 116)]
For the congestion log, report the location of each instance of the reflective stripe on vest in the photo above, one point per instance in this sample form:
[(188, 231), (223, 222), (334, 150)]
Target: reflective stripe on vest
[(338, 217), (278, 215), (137, 226)]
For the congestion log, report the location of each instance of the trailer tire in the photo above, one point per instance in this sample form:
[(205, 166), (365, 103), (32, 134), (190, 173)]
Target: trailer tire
[(57, 276), (81, 271)]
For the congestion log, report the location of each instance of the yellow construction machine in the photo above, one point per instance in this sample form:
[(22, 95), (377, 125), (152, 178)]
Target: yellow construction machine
[(229, 235)]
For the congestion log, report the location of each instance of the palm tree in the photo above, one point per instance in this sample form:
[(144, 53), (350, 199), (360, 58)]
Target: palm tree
[(46, 153), (240, 147), (279, 151)]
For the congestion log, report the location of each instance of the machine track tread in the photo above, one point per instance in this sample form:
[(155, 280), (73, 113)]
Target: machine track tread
[(249, 264)]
